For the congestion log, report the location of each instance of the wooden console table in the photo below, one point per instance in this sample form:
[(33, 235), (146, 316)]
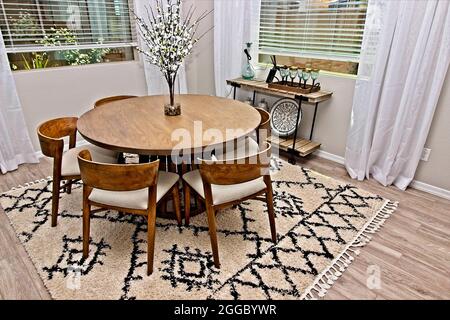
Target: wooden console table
[(295, 146)]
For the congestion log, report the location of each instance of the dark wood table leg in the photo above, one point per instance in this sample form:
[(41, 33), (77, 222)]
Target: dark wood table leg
[(144, 158), (121, 158)]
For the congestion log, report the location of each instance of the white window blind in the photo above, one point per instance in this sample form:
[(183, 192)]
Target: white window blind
[(83, 24), (322, 29)]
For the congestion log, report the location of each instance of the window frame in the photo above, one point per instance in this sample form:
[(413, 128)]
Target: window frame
[(131, 43)]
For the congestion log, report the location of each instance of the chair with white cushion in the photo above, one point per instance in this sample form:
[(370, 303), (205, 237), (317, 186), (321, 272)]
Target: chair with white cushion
[(65, 164), (130, 188), (247, 146), (223, 183)]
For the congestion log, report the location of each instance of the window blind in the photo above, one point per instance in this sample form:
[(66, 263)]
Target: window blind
[(83, 24), (322, 29)]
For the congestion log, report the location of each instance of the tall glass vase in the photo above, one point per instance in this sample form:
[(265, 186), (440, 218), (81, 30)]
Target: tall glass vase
[(172, 108)]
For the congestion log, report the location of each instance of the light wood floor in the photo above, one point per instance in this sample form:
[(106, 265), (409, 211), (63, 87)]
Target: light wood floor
[(412, 250)]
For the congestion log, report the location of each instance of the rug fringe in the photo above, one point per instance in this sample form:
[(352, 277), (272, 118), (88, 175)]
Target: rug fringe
[(328, 277), (32, 183)]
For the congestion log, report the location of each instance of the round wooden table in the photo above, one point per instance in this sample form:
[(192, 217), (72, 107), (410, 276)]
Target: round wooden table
[(138, 125)]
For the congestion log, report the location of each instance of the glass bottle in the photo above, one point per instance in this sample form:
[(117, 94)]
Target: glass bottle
[(248, 72)]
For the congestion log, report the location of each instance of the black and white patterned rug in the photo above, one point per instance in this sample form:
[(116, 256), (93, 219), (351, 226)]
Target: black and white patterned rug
[(321, 223)]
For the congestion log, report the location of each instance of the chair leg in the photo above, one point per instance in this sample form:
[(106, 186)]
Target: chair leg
[(55, 199), (213, 234), (187, 203), (69, 187), (164, 208), (121, 158), (270, 210), (86, 227), (176, 202), (151, 225)]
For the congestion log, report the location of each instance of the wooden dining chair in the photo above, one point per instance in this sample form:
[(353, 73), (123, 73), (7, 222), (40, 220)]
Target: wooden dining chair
[(51, 136), (223, 183), (107, 100), (264, 129), (248, 145), (130, 188)]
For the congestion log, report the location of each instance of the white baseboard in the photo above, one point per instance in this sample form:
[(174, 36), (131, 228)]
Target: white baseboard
[(418, 185), (329, 156), (428, 188)]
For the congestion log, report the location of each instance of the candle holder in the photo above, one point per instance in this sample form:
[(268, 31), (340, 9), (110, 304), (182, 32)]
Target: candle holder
[(284, 72), (293, 72), (300, 87), (306, 74), (314, 76), (300, 77)]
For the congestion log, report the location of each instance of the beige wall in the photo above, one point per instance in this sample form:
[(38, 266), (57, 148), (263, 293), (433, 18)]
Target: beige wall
[(70, 91), (437, 170)]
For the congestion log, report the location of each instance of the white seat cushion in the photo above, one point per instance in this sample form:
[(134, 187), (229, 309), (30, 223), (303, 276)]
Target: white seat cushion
[(224, 193), (249, 148), (70, 158), (137, 199)]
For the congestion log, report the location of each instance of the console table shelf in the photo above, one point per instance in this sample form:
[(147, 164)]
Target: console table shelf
[(302, 146), (295, 146), (263, 87)]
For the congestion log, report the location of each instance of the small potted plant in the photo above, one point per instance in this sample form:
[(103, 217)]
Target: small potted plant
[(167, 40)]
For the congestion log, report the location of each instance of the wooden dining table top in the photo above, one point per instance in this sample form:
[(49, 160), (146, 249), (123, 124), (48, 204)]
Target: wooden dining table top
[(138, 125)]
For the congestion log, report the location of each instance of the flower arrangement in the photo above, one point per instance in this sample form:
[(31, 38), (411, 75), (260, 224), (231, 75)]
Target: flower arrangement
[(168, 38)]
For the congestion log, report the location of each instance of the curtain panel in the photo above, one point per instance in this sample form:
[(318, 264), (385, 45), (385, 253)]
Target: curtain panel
[(15, 144), (234, 25), (404, 60)]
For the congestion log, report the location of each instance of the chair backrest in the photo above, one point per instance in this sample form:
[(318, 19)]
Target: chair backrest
[(106, 100), (265, 119), (239, 170), (264, 129), (117, 177), (50, 134)]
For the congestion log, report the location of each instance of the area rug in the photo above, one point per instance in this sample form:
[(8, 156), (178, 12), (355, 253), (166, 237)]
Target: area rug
[(321, 224)]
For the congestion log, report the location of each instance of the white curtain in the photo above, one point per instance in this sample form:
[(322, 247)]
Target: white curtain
[(156, 84), (235, 23), (15, 144), (405, 58)]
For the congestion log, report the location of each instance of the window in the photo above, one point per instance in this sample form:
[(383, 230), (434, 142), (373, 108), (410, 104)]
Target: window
[(324, 34), (51, 33)]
